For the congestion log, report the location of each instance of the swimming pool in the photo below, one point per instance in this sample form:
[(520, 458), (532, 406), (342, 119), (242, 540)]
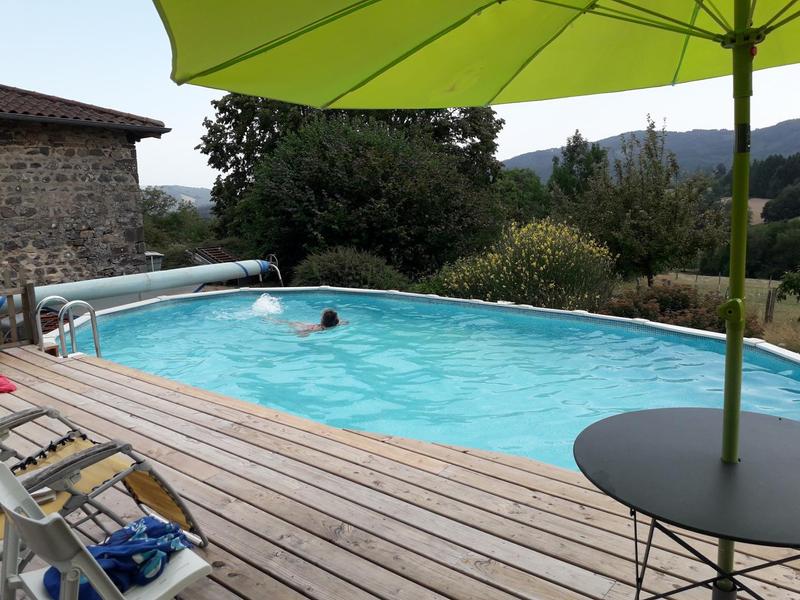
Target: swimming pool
[(471, 374)]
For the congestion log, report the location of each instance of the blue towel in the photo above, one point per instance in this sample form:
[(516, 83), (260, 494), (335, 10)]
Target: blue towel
[(134, 555)]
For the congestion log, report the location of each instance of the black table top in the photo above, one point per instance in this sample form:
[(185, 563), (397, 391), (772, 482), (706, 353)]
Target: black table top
[(665, 463)]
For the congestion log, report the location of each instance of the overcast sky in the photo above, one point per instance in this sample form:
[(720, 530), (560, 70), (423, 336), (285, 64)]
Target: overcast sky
[(116, 54)]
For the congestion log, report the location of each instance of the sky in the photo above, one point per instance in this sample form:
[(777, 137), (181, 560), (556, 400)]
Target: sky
[(115, 53)]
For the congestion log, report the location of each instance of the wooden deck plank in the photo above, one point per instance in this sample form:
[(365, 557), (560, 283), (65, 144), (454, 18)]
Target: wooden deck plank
[(495, 573), (617, 565), (545, 497), (467, 465), (226, 567), (456, 515), (670, 565), (667, 563), (387, 516)]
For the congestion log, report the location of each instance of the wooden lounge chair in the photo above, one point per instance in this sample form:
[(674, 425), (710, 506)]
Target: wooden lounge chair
[(79, 470), (51, 539)]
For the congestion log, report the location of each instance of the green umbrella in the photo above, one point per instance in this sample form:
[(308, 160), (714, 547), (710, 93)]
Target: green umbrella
[(442, 53)]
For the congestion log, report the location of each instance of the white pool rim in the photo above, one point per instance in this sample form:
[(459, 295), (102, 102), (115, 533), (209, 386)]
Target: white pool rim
[(757, 343)]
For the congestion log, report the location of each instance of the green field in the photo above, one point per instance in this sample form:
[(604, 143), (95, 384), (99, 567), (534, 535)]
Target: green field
[(783, 331)]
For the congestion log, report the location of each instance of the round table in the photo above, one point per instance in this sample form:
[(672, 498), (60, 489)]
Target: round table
[(665, 463)]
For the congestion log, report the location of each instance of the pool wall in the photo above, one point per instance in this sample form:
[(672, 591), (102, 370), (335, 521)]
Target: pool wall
[(757, 344)]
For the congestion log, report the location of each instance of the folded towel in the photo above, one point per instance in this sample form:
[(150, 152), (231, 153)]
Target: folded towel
[(6, 385), (134, 555)]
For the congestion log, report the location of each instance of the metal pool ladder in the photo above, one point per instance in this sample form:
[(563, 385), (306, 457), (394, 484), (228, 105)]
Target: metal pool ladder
[(49, 300), (66, 311)]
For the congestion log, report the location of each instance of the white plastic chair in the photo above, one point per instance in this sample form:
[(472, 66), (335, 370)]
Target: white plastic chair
[(51, 539)]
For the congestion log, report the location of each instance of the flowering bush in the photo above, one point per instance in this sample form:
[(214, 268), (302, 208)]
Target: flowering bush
[(348, 267), (543, 263)]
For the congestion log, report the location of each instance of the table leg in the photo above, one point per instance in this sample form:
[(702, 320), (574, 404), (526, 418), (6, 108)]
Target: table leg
[(640, 574)]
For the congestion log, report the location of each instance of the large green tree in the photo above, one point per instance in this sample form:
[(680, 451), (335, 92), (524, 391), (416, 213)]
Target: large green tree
[(785, 206), (246, 129), (574, 167), (521, 195), (367, 184), (648, 216)]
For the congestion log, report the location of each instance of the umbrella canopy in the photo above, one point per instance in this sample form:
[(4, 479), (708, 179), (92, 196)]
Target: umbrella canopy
[(443, 53)]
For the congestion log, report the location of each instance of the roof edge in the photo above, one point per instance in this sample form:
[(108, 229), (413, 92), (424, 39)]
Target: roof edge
[(141, 131)]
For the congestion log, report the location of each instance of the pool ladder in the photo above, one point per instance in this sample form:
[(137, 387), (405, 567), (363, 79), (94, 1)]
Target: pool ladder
[(66, 311)]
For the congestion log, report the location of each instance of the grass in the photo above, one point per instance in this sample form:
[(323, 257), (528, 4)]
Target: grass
[(784, 331)]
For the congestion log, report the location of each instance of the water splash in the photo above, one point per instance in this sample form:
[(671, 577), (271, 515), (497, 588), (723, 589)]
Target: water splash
[(267, 305)]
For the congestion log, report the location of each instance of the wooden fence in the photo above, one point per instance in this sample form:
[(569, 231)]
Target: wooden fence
[(17, 323)]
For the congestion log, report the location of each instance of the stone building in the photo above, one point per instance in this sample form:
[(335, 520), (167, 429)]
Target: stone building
[(70, 202)]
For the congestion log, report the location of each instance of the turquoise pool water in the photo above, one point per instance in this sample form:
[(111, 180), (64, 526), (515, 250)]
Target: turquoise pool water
[(480, 376)]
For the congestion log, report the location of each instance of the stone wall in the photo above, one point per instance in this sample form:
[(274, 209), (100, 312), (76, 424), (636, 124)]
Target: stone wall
[(70, 203)]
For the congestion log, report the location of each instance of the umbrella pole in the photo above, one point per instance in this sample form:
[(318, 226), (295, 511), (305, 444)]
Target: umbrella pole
[(733, 311)]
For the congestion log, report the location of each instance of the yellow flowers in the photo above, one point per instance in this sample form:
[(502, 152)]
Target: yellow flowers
[(543, 263)]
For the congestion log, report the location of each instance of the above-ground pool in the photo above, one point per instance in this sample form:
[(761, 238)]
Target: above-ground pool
[(486, 376)]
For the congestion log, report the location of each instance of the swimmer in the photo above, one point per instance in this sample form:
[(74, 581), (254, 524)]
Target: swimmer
[(329, 320)]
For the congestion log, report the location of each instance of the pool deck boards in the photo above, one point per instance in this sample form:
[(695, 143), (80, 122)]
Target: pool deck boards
[(296, 509)]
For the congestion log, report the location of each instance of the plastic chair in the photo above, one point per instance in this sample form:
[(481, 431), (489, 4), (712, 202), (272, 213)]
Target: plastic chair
[(51, 539)]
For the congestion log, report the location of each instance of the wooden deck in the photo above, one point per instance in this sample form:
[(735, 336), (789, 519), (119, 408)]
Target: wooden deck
[(295, 509)]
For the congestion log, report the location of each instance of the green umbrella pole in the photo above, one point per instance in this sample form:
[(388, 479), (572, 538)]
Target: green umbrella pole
[(734, 309)]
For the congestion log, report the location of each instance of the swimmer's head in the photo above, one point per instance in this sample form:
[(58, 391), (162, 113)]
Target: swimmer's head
[(329, 318)]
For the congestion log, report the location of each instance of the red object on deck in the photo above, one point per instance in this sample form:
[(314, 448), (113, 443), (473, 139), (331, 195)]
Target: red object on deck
[(6, 385)]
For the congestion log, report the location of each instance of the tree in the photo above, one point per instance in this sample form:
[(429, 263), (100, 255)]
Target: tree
[(772, 249), (790, 286), (645, 214), (785, 206), (521, 195), (342, 181), (578, 162), (156, 202), (246, 129), (770, 176), (169, 221)]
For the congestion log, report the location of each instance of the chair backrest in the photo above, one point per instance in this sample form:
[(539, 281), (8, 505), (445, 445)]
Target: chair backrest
[(14, 496), (50, 538)]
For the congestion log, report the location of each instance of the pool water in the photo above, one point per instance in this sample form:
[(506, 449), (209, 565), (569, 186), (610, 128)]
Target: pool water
[(481, 376)]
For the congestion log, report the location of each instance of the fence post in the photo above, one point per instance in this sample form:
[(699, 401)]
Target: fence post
[(769, 309), (29, 312)]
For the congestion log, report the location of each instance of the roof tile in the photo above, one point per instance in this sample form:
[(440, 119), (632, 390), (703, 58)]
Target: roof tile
[(16, 103)]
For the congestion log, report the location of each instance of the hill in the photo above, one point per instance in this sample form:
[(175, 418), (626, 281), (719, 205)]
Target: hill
[(200, 197), (697, 150)]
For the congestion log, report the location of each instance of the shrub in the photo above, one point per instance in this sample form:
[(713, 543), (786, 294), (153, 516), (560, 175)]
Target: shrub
[(348, 267), (544, 263), (677, 305), (790, 286)]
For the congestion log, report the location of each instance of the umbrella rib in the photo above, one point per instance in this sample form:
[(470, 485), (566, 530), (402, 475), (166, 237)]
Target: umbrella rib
[(791, 17), (411, 52), (679, 27), (638, 20), (539, 51), (715, 14), (752, 12), (695, 12), (591, 8), (778, 14), (288, 37), (654, 13)]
